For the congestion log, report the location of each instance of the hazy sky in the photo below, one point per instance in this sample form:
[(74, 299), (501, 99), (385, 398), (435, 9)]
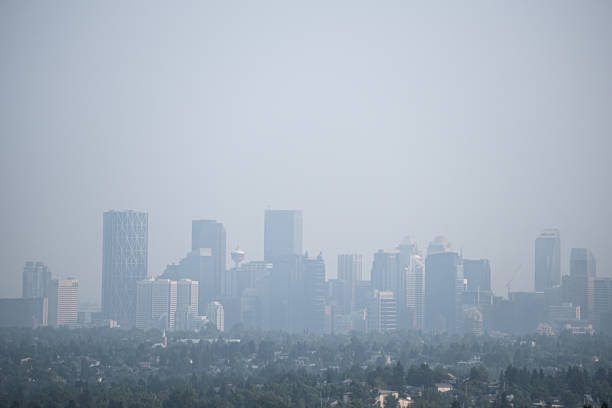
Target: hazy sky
[(485, 124)]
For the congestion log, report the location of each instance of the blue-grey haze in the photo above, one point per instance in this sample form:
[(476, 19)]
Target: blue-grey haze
[(485, 122)]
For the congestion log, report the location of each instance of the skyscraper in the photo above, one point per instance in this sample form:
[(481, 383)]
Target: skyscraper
[(211, 234), (382, 312), (282, 233), (385, 274), (63, 302), (443, 288), (410, 293), (582, 263), (156, 304), (124, 262), (283, 307), (186, 304), (350, 269), (547, 260), (602, 300), (478, 274), (36, 279), (578, 287), (398, 271), (415, 293), (315, 291)]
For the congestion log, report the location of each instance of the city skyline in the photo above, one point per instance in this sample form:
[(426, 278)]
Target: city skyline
[(436, 245), (376, 122), (306, 204)]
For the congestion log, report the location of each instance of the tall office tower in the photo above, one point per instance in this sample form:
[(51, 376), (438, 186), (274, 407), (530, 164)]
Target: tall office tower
[(164, 302), (350, 269), (579, 290), (382, 312), (211, 234), (439, 245), (250, 308), (63, 302), (390, 272), (284, 306), (187, 309), (156, 304), (282, 233), (602, 295), (315, 290), (443, 289), (547, 260), (415, 293), (582, 263), (215, 315), (478, 275), (247, 275), (602, 300), (36, 278), (578, 287), (410, 289), (124, 262), (385, 275)]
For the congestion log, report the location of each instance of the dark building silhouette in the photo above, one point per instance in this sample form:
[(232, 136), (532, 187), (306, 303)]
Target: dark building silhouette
[(547, 260), (582, 263), (30, 312), (315, 293), (124, 262), (478, 274), (286, 294), (350, 268), (385, 274), (282, 233), (211, 234), (443, 289), (578, 287), (297, 294)]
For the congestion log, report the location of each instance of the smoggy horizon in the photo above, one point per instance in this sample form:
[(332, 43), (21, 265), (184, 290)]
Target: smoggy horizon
[(485, 125)]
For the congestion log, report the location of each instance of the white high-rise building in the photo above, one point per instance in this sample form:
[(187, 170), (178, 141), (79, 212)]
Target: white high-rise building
[(186, 304), (156, 304), (215, 315), (415, 291), (382, 312), (63, 302)]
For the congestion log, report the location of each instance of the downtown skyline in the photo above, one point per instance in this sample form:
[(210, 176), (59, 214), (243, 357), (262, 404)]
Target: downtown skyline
[(498, 283), (484, 125)]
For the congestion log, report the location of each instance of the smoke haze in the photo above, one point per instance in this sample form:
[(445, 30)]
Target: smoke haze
[(483, 124)]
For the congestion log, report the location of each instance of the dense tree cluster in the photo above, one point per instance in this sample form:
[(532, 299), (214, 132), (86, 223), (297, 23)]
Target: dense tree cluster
[(120, 368)]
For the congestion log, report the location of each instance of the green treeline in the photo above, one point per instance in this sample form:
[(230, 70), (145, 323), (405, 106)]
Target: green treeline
[(119, 368)]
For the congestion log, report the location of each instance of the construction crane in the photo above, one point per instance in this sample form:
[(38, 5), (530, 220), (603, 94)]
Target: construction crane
[(511, 279)]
